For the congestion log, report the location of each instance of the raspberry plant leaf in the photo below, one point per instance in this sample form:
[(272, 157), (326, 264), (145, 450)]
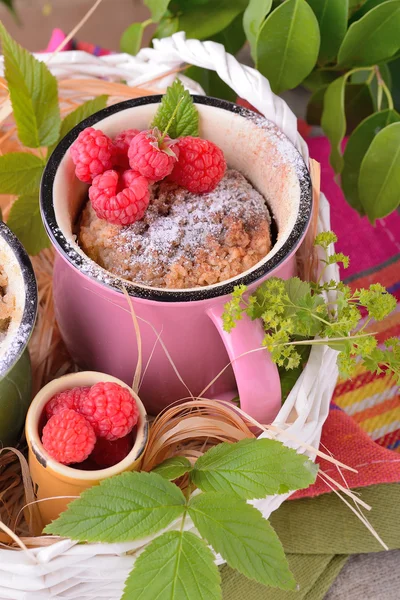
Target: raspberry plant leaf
[(76, 116), (253, 469), (175, 566), (33, 93), (174, 467), (126, 507), (20, 173), (242, 536), (25, 221), (186, 121)]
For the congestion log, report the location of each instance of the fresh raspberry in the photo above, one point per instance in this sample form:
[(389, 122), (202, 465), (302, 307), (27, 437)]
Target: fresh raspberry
[(108, 454), (68, 437), (120, 198), (152, 156), (111, 410), (65, 400), (200, 167), (93, 153), (121, 144)]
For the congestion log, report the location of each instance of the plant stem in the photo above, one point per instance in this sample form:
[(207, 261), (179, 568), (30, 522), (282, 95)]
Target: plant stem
[(325, 341), (170, 121)]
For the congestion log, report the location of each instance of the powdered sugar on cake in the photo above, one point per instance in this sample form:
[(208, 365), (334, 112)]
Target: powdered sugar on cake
[(184, 240)]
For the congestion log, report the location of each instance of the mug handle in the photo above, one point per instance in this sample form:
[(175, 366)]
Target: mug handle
[(257, 377)]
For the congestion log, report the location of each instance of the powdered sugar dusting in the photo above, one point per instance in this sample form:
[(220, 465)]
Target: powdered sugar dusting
[(185, 239)]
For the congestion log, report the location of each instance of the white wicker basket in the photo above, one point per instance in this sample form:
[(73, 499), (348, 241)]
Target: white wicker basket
[(92, 571)]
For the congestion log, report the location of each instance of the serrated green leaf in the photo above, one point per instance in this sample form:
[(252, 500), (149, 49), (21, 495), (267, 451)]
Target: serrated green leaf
[(332, 20), (25, 221), (253, 469), (34, 94), (355, 150), (296, 289), (288, 45), (79, 114), (379, 179), (253, 18), (333, 120), (172, 468), (131, 39), (374, 38), (243, 538), (175, 566), (157, 8), (20, 173), (123, 508), (186, 121), (202, 21)]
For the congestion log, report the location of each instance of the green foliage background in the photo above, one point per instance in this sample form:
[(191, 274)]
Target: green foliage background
[(345, 52)]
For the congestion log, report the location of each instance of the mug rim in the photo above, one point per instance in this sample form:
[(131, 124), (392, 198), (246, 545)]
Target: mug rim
[(25, 328), (119, 284)]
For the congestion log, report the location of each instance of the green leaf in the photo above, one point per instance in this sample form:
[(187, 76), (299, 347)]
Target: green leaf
[(332, 20), (374, 38), (25, 221), (288, 45), (356, 148), (289, 377), (131, 39), (232, 37), (358, 105), (33, 93), (186, 121), (202, 21), (253, 18), (253, 469), (123, 508), (79, 114), (363, 76), (157, 8), (175, 566), (243, 538), (296, 289), (20, 173), (319, 78), (379, 179), (172, 468), (333, 120), (167, 26), (365, 7)]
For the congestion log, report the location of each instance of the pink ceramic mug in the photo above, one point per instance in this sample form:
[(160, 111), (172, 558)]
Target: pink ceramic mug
[(93, 313)]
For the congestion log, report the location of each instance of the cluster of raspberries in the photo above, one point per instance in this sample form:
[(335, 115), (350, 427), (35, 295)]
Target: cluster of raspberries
[(90, 421), (121, 170)]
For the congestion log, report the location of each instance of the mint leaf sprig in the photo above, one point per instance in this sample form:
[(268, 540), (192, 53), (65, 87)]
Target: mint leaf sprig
[(178, 564), (177, 113), (34, 99), (296, 313)]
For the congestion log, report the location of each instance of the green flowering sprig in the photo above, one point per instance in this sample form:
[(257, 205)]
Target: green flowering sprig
[(296, 313)]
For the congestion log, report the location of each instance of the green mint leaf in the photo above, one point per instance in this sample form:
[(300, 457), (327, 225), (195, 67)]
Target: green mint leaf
[(243, 538), (123, 508), (172, 468), (25, 221), (253, 469), (33, 93), (175, 566), (20, 173), (76, 116), (186, 120)]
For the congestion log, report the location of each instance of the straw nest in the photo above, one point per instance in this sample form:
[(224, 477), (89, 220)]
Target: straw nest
[(189, 428)]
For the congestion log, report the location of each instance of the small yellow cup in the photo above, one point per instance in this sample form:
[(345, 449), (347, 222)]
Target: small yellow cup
[(59, 482)]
